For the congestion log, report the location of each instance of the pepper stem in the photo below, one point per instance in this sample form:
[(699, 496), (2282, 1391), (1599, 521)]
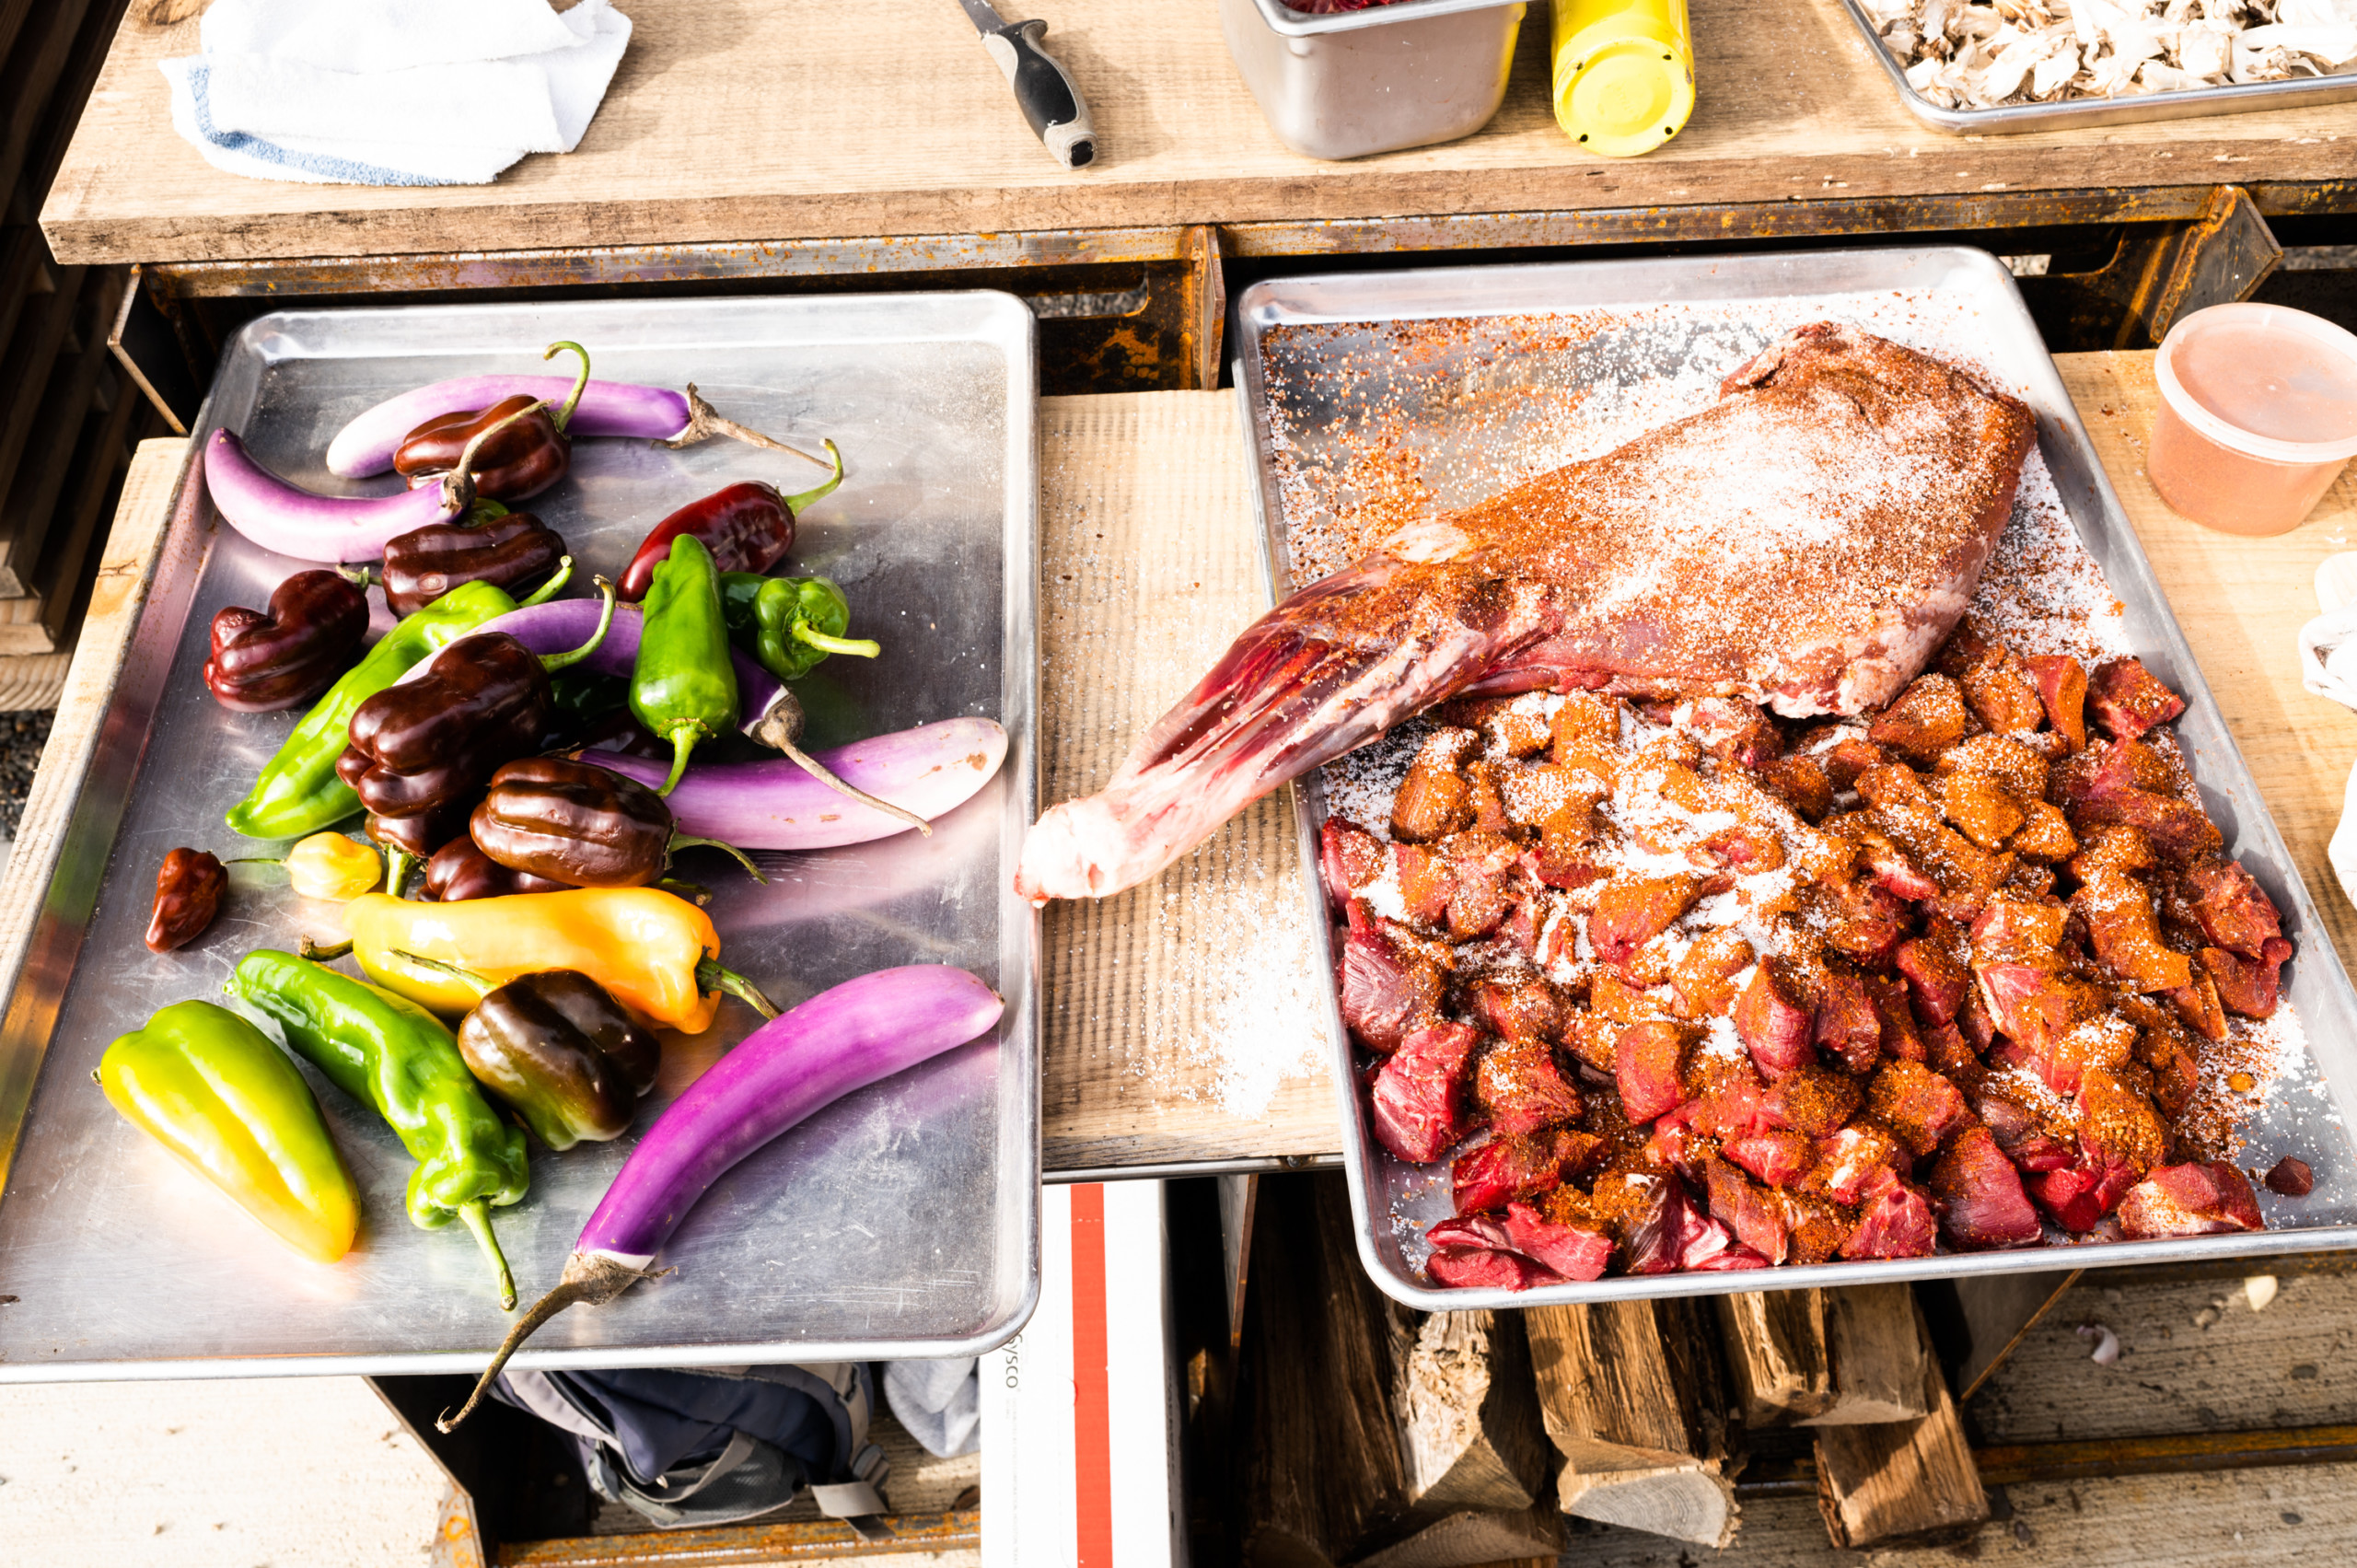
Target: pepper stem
[(478, 1220), (683, 741), (549, 589), (795, 503), (563, 416), (859, 648), (458, 484), (399, 862), (591, 1278), (318, 955), (688, 840), (705, 422), (361, 578), (710, 976), (555, 662)]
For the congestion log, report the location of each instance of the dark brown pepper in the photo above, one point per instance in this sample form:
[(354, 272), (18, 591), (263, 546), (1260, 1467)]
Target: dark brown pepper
[(519, 462), (574, 823), (510, 551), (459, 871), (188, 886), (262, 661)]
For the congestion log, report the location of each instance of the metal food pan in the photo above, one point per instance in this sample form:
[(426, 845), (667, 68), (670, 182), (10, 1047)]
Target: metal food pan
[(2242, 98), (1936, 298), (903, 1221), (1349, 84)]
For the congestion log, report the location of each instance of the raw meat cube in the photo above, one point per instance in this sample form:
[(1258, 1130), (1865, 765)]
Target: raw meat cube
[(1928, 718), (1919, 1107), (1773, 1022), (1520, 1089), (1895, 1221), (1981, 1194), (1569, 1251), (1633, 910), (1649, 1064), (2190, 1200), (2128, 700), (1419, 1097), (2062, 690)]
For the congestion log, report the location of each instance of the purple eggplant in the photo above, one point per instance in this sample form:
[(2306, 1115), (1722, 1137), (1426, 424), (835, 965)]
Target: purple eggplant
[(367, 445), (770, 713), (929, 771), (800, 1061), (563, 623), (283, 517)]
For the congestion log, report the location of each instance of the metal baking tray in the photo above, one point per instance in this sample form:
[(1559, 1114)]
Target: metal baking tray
[(1950, 300), (2082, 113), (903, 1221)]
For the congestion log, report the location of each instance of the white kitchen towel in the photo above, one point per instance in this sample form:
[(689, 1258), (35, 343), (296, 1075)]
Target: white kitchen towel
[(392, 92), (2328, 668)]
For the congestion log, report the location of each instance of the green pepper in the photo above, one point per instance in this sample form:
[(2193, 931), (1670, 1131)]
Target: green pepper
[(210, 1087), (683, 688), (789, 623), (298, 792), (389, 1051)]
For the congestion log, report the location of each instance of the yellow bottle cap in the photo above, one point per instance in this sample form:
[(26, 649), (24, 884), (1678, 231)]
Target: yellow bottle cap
[(1624, 83)]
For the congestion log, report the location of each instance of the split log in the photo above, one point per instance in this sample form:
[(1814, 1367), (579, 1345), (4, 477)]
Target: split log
[(1469, 1428), (1636, 1404), (1878, 1357), (1777, 1362), (1237, 1197), (1477, 1540), (1902, 1483)]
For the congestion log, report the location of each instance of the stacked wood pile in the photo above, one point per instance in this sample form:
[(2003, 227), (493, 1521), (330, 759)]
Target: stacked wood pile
[(69, 417), (1373, 1436)]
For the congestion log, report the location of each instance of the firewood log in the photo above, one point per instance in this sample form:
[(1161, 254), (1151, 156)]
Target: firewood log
[(1877, 1358), (1777, 1362), (1470, 1431), (1635, 1402), (1907, 1481)]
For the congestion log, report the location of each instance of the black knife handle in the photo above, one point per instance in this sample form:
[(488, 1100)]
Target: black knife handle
[(1047, 96)]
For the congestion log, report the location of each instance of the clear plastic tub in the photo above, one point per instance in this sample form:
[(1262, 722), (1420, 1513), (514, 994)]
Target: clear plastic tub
[(2257, 416)]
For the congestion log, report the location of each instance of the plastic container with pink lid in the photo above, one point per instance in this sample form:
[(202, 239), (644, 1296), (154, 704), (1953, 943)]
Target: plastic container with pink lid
[(2257, 417)]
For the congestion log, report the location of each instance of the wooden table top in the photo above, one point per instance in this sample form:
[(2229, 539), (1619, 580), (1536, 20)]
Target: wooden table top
[(885, 117), (1184, 1020)]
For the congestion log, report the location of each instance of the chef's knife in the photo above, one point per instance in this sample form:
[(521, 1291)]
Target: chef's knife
[(1045, 91)]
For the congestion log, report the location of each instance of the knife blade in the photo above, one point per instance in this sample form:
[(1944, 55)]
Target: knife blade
[(1044, 90)]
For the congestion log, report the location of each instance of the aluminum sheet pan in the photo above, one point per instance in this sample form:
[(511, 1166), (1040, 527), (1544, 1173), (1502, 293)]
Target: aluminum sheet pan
[(903, 1221), (1934, 298), (2085, 113)]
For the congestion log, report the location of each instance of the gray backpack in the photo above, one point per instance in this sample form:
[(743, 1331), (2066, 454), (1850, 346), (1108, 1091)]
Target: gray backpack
[(719, 1445)]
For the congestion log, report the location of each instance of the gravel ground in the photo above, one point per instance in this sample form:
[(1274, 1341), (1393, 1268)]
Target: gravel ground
[(22, 734)]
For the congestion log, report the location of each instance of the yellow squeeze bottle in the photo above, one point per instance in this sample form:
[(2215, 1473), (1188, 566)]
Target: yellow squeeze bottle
[(1624, 73)]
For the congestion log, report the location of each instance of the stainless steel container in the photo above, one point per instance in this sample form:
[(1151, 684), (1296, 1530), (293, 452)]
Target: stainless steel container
[(2081, 113), (1315, 353), (1373, 81)]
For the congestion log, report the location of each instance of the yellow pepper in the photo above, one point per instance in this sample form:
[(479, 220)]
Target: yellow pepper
[(329, 866), (658, 955)]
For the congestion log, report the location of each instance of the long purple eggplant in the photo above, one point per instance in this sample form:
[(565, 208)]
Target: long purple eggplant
[(800, 1061), (278, 515), (367, 445), (561, 624), (928, 772)]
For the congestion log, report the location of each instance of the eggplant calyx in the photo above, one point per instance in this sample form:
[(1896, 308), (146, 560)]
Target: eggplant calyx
[(705, 422)]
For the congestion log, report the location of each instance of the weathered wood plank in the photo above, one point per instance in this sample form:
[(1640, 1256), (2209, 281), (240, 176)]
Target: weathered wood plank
[(731, 123)]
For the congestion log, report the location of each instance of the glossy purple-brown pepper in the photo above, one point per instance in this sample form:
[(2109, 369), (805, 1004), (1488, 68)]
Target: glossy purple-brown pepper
[(262, 661), (188, 886), (747, 527), (508, 551), (573, 823), (519, 462), (433, 741), (459, 871)]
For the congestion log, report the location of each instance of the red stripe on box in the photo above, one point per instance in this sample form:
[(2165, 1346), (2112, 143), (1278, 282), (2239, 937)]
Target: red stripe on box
[(1092, 1414)]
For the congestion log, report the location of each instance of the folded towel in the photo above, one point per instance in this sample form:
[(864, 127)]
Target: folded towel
[(392, 92)]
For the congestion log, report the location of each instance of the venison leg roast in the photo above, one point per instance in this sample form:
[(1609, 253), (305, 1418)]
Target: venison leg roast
[(1807, 541)]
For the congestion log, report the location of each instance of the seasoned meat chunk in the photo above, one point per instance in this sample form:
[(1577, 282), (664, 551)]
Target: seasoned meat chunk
[(2128, 701), (2194, 1198), (2062, 690), (1980, 1195), (1928, 718), (1418, 1095), (1519, 1089)]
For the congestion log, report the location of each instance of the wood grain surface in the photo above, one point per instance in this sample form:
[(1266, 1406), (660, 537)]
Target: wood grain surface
[(740, 119)]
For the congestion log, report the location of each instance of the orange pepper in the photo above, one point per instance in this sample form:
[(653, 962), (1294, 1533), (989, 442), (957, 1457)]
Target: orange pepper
[(655, 952)]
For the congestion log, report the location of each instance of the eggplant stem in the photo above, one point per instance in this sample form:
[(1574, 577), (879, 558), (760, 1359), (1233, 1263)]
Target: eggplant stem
[(555, 662), (695, 893), (318, 955), (688, 841), (458, 484), (858, 647), (592, 1279), (796, 504), (710, 975), (550, 589), (818, 770), (563, 416), (478, 1219), (705, 422)]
